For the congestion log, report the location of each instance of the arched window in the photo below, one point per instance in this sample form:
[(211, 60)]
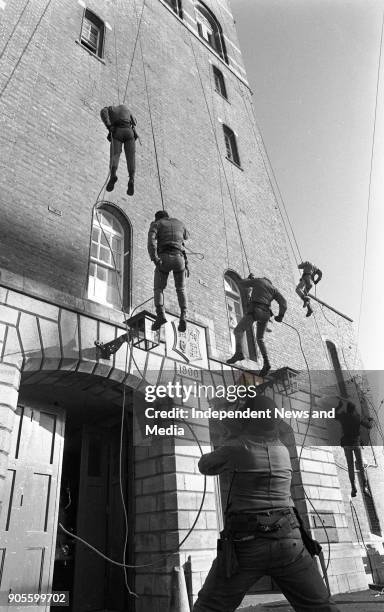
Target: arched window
[(231, 145), (210, 30), (234, 304), (92, 33), (109, 265)]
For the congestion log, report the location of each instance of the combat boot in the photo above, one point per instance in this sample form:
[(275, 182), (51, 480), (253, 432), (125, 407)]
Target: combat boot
[(131, 187), (112, 180), (238, 356), (265, 369), (309, 310), (160, 319), (182, 323)]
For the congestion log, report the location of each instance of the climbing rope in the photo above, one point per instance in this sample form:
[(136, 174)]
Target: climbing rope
[(25, 47), (190, 41), (369, 189), (14, 29)]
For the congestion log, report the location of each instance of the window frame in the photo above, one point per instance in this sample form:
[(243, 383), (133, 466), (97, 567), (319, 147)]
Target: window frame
[(234, 278), (231, 146), (175, 6), (125, 272), (218, 78), (217, 43), (94, 20)]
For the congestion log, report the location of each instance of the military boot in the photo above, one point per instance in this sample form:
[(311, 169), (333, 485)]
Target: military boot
[(112, 180), (182, 327), (160, 319)]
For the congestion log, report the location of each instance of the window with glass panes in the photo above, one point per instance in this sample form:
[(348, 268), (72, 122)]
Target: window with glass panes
[(210, 30), (219, 82), (92, 33), (231, 145), (234, 305), (106, 262)]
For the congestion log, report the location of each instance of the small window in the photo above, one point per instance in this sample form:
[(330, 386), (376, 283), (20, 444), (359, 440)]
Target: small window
[(106, 266), (92, 33), (210, 30), (219, 82), (231, 145), (175, 6)]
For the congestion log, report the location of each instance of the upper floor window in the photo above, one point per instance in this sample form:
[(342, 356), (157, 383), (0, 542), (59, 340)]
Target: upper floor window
[(92, 33), (109, 259), (219, 82), (175, 6), (210, 29), (231, 145)]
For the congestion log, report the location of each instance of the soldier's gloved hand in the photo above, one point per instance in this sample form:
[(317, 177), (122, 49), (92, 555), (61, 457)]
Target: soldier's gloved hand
[(157, 262), (111, 131), (278, 318), (250, 275), (316, 281)]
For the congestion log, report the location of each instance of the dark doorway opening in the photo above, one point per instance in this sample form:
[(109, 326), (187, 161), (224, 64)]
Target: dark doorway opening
[(95, 476)]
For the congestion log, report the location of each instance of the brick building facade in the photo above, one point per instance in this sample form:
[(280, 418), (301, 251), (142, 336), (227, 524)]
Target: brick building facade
[(178, 65)]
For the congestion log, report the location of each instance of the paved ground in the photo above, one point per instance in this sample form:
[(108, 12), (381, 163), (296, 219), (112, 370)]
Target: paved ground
[(359, 601)]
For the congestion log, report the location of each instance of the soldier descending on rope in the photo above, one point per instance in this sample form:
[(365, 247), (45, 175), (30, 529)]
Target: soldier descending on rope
[(351, 422), (263, 533), (310, 274), (259, 310), (166, 249), (121, 131)]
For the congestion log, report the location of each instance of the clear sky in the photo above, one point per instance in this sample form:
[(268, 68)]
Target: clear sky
[(313, 68)]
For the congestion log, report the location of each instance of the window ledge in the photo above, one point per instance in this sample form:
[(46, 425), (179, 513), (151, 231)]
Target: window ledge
[(99, 59), (234, 163)]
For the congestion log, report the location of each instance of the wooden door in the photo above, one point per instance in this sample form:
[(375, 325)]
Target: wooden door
[(90, 569), (99, 585), (28, 520)]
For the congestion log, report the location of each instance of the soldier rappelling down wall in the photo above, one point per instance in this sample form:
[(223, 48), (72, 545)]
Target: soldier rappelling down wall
[(310, 274), (166, 249), (259, 310), (121, 131), (351, 422)]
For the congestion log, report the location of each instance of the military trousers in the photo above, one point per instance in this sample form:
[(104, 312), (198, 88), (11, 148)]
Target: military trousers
[(261, 316), (282, 556), (123, 136), (304, 287), (170, 262)]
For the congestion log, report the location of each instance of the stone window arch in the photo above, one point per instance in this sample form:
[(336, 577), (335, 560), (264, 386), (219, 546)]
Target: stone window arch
[(210, 30)]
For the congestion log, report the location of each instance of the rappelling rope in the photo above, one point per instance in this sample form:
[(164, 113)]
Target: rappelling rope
[(369, 189), (25, 47), (14, 29), (190, 40), (150, 112)]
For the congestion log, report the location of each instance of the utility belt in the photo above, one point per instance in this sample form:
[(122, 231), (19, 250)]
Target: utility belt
[(260, 305), (174, 250), (260, 522), (171, 249), (245, 527)]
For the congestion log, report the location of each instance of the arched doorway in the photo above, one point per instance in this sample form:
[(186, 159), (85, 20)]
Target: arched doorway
[(64, 467)]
